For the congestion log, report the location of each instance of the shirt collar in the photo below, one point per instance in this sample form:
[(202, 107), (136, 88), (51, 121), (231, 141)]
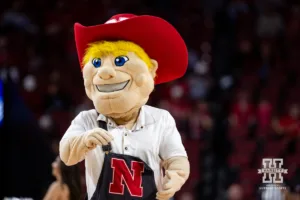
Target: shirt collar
[(145, 118)]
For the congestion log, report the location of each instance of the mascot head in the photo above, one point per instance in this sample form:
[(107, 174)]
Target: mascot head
[(124, 58)]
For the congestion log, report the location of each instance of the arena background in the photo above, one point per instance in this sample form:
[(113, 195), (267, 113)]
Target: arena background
[(237, 103)]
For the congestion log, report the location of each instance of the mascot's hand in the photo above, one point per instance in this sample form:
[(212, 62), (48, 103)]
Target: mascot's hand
[(173, 181), (72, 150), (97, 136)]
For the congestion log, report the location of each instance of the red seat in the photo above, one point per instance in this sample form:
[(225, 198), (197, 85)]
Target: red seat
[(250, 175), (265, 132), (246, 147), (292, 160), (239, 160), (271, 93), (193, 148), (292, 163), (237, 133), (274, 148)]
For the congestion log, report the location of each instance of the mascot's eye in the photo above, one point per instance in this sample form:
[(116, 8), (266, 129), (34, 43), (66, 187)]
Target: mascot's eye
[(121, 60), (96, 62)]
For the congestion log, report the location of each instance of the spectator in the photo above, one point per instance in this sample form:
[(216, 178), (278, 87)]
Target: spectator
[(16, 18), (293, 26), (264, 114), (269, 24), (25, 151), (242, 114), (67, 185), (265, 53), (236, 7), (179, 106), (55, 145), (245, 46), (261, 5), (235, 192), (288, 125), (29, 83), (55, 99), (200, 121), (193, 59), (273, 193), (199, 86), (186, 196), (46, 124)]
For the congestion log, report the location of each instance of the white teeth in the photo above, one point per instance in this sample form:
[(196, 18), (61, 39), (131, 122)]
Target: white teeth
[(112, 87)]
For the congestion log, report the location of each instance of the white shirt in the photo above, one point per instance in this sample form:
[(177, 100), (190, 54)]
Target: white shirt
[(154, 137)]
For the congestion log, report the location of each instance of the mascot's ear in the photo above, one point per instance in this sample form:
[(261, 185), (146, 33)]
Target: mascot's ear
[(153, 67)]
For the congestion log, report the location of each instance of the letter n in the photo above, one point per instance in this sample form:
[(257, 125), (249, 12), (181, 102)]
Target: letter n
[(122, 174)]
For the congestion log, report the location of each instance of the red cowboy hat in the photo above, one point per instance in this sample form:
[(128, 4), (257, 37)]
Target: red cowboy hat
[(157, 37)]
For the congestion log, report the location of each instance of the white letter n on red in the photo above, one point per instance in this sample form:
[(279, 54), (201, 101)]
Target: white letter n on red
[(122, 174)]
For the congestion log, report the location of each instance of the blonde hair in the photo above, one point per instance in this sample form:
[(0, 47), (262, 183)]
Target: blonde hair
[(116, 48)]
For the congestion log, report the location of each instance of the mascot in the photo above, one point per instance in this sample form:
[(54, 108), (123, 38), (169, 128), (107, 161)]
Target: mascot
[(131, 150)]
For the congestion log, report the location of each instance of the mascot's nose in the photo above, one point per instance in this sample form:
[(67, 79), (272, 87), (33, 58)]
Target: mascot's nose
[(106, 73)]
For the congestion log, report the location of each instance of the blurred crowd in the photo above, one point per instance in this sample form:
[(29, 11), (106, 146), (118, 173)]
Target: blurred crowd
[(237, 103)]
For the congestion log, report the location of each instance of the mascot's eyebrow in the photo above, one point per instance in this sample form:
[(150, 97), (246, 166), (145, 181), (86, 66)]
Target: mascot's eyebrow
[(117, 48)]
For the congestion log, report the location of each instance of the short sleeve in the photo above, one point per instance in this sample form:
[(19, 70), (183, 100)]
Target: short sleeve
[(171, 143)]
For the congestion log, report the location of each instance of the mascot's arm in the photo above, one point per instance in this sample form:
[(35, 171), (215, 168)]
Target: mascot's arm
[(72, 147), (177, 172), (176, 164), (77, 141), (72, 150), (180, 165)]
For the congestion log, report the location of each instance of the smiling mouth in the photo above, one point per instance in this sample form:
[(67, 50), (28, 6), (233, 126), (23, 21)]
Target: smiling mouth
[(112, 87)]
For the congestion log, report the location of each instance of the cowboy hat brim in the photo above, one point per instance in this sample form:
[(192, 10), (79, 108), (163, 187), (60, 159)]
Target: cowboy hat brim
[(157, 37)]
